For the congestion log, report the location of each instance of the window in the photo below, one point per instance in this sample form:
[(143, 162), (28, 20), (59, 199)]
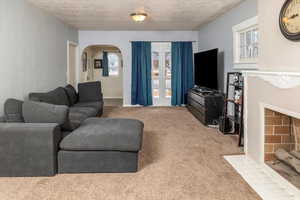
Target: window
[(113, 64), (245, 44)]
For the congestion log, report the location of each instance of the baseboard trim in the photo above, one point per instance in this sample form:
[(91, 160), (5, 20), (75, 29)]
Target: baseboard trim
[(127, 105), (112, 97), (139, 106)]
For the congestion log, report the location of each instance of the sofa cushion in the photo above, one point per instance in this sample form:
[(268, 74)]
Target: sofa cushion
[(94, 104), (88, 111), (56, 97), (65, 133), (77, 115), (72, 95), (75, 119), (2, 119), (37, 112), (13, 111), (90, 91), (98, 134)]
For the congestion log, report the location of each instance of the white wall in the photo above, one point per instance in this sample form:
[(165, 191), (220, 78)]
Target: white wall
[(86, 76), (112, 86), (121, 39), (276, 52), (33, 50), (218, 34)]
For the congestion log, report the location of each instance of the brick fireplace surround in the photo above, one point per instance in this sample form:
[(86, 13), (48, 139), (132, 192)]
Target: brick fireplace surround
[(279, 133)]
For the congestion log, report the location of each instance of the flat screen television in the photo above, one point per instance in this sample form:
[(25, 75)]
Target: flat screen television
[(206, 69)]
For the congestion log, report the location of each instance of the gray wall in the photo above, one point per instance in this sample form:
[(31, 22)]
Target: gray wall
[(33, 50), (218, 34)]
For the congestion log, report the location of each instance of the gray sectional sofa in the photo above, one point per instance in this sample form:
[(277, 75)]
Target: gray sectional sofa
[(87, 103), (58, 132)]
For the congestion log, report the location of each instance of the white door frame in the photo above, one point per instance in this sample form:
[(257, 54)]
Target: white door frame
[(162, 48), (76, 61)]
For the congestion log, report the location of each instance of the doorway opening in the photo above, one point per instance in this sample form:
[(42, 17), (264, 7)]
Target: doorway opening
[(104, 63), (72, 60), (161, 74)]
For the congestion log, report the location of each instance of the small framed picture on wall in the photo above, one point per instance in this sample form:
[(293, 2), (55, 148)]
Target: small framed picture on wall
[(98, 64), (84, 62)]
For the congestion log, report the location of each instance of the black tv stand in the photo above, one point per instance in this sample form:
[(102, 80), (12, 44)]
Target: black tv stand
[(202, 89), (205, 104)]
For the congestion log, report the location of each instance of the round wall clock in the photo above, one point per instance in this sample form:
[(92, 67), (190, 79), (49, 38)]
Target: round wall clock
[(289, 20)]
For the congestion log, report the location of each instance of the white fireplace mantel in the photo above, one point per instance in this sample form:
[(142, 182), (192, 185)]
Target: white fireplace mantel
[(278, 91), (282, 80)]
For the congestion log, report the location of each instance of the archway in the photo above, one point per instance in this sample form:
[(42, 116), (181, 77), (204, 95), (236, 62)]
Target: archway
[(104, 63)]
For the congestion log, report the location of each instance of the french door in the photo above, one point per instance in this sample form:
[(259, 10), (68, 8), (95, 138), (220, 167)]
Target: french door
[(161, 74)]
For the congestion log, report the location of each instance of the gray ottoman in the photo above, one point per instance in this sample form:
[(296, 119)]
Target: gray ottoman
[(102, 146)]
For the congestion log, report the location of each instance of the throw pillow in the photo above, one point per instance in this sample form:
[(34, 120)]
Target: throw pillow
[(72, 95)]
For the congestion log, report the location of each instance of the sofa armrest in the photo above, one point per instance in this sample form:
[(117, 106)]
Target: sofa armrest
[(2, 119), (90, 91), (29, 149)]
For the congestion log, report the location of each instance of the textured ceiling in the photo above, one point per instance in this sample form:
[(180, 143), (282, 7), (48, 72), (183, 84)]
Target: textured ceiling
[(114, 14)]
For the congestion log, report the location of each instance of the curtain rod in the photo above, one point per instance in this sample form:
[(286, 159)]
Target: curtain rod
[(163, 41)]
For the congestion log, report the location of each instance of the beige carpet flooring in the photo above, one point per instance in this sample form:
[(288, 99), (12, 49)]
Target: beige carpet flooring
[(181, 160)]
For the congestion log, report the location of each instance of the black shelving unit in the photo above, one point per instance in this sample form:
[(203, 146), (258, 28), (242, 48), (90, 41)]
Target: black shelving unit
[(234, 105)]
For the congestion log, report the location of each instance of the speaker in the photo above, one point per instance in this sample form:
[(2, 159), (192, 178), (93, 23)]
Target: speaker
[(225, 125)]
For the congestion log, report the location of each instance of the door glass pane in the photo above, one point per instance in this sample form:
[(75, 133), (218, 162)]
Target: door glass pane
[(155, 74), (113, 64), (168, 92), (156, 93), (161, 74)]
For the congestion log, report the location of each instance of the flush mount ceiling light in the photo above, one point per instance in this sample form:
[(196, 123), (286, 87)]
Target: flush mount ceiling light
[(138, 17)]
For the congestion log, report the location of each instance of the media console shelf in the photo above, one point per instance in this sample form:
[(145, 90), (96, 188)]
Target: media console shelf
[(234, 108), (205, 105)]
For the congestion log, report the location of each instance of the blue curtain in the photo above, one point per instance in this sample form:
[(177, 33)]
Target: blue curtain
[(141, 88), (105, 71), (182, 71)]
